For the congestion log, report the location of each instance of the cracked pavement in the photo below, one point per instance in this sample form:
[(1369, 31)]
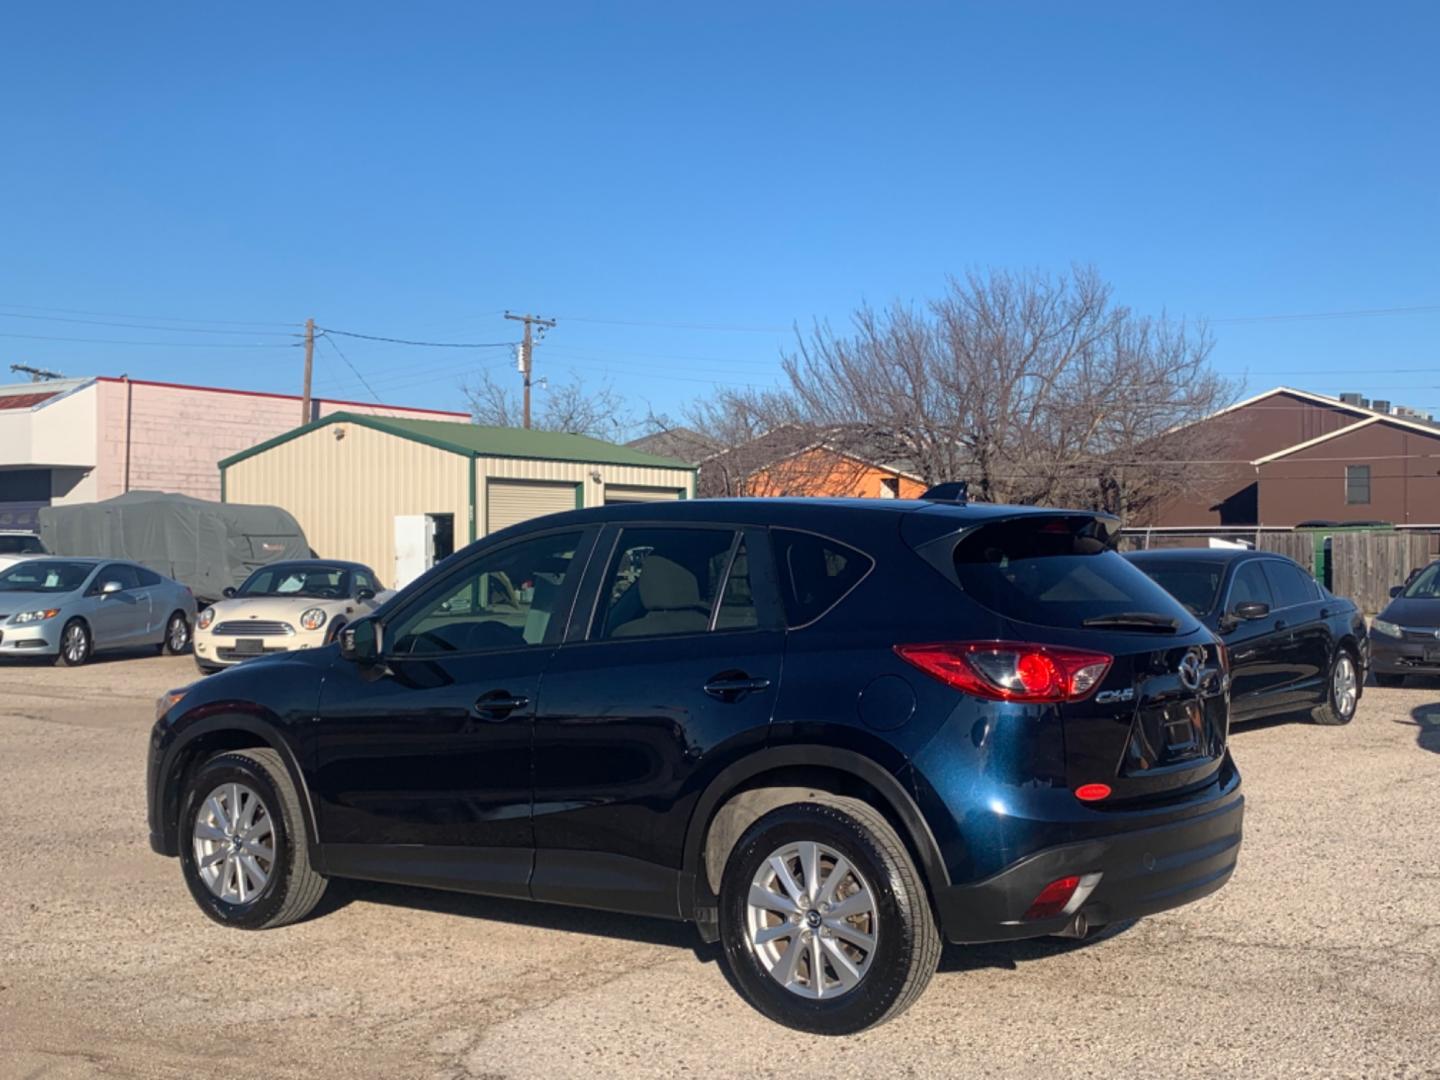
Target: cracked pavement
[(1320, 958)]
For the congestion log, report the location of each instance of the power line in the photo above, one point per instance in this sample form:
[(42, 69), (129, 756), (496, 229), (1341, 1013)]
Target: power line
[(353, 369), (154, 318), (425, 344), (174, 344), (146, 326), (684, 326)]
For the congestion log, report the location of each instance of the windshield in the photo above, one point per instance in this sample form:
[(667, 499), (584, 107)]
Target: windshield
[(1058, 571), (1195, 584), (312, 581), (1426, 585), (21, 545), (45, 576)]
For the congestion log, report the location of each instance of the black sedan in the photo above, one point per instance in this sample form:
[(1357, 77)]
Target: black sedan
[(1292, 644), (1405, 638)]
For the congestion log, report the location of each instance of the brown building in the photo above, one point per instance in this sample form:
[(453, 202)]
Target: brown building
[(1288, 456)]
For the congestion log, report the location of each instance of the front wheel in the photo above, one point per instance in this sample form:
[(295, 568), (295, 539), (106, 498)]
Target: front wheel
[(824, 918), (75, 644), (243, 847), (1342, 691)]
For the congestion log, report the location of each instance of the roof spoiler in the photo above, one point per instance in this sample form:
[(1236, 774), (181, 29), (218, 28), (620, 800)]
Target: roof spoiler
[(953, 491)]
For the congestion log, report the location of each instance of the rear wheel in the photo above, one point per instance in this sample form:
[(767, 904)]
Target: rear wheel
[(1342, 692), (1389, 680), (177, 634), (75, 644), (824, 919), (243, 847)]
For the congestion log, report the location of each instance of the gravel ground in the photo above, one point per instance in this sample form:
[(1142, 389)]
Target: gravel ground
[(1321, 957)]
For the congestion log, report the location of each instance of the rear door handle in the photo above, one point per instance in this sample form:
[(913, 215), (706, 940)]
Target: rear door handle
[(732, 688), (1279, 624), (500, 703)]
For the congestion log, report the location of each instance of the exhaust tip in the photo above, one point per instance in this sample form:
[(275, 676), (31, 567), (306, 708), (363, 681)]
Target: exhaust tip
[(1077, 928)]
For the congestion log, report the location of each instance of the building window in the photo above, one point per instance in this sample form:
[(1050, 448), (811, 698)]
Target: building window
[(1357, 484)]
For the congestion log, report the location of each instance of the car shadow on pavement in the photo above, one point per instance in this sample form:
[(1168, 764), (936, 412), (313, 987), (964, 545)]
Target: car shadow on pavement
[(1009, 955), (1427, 719), (636, 928)]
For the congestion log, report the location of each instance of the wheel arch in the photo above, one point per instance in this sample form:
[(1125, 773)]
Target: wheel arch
[(749, 788), (217, 734)]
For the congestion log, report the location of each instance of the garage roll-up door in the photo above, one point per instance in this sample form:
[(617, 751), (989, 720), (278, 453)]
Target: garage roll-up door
[(509, 502), (639, 494)]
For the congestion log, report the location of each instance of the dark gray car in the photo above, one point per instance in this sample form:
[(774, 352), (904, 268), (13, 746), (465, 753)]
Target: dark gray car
[(1405, 637), (72, 608)]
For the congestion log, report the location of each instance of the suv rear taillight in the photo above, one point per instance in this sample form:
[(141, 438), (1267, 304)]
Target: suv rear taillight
[(1010, 671)]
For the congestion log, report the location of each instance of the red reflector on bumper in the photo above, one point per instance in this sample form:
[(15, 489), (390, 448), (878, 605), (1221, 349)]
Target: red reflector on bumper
[(1092, 792), (1053, 898)]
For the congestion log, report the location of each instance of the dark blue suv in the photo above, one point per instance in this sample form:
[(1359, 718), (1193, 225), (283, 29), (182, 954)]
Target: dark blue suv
[(829, 733)]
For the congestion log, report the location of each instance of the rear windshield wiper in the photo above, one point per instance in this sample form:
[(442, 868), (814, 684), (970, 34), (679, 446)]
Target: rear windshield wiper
[(1139, 620)]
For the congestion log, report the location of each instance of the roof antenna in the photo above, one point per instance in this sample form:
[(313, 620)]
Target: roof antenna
[(952, 491)]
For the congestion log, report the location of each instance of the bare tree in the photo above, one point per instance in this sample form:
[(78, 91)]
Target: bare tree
[(567, 406), (1034, 388)]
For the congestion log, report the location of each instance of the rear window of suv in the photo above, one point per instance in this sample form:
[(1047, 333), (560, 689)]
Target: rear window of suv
[(1057, 571)]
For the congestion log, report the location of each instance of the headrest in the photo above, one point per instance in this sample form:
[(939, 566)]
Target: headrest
[(665, 585)]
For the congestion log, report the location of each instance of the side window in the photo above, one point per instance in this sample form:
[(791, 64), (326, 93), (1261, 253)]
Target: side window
[(664, 581), (1357, 484), (147, 577), (363, 580), (1291, 584), (501, 600), (1250, 586), (815, 573), (125, 575)]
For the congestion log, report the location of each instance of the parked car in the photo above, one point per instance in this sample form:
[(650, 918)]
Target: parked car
[(1293, 645), (300, 604), (987, 726), (73, 608), (1405, 637), (18, 544)]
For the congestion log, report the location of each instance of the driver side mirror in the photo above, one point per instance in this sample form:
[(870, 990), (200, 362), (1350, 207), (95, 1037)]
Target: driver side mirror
[(361, 641), (111, 587), (364, 594), (228, 592), (1251, 610), (1396, 590)]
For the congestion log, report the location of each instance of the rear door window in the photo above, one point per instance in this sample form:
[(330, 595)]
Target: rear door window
[(664, 582), (815, 573), (1057, 571), (1292, 585)]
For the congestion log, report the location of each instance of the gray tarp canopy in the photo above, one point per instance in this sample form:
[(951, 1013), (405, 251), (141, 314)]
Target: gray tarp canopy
[(205, 545)]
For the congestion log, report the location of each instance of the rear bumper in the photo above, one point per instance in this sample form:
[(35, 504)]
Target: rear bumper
[(1142, 871)]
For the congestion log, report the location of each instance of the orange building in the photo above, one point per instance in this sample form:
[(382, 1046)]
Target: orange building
[(815, 470)]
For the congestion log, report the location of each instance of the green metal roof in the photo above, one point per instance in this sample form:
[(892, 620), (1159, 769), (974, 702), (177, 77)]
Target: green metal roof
[(472, 440)]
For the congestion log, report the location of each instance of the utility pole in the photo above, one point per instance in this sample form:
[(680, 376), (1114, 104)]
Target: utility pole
[(309, 364), (527, 345), (36, 374)]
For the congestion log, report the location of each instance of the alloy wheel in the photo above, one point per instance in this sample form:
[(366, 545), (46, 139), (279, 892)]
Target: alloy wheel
[(811, 920), (178, 634), (1344, 685), (76, 644), (234, 838)]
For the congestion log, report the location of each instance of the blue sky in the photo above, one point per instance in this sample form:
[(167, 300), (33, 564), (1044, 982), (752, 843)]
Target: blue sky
[(679, 184)]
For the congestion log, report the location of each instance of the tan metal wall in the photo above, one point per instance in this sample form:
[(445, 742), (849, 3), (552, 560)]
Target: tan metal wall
[(346, 492), (578, 473)]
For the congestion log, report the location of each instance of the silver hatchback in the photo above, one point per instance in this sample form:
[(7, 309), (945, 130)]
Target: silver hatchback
[(72, 608)]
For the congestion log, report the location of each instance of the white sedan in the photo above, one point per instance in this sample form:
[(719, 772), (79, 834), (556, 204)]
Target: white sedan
[(284, 606)]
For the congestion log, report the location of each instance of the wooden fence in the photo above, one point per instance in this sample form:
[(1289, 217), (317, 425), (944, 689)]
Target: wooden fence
[(1364, 565)]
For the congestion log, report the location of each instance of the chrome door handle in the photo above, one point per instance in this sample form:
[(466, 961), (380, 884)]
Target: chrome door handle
[(500, 703), (729, 689)]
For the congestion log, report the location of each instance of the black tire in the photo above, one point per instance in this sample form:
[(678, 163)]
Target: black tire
[(87, 644), (1335, 710), (1382, 679), (293, 887), (907, 948), (168, 644)]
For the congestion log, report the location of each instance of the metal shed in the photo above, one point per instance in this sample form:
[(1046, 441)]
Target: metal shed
[(364, 487)]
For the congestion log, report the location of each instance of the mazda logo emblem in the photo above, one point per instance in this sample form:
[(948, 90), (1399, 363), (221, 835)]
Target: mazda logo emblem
[(1190, 668)]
